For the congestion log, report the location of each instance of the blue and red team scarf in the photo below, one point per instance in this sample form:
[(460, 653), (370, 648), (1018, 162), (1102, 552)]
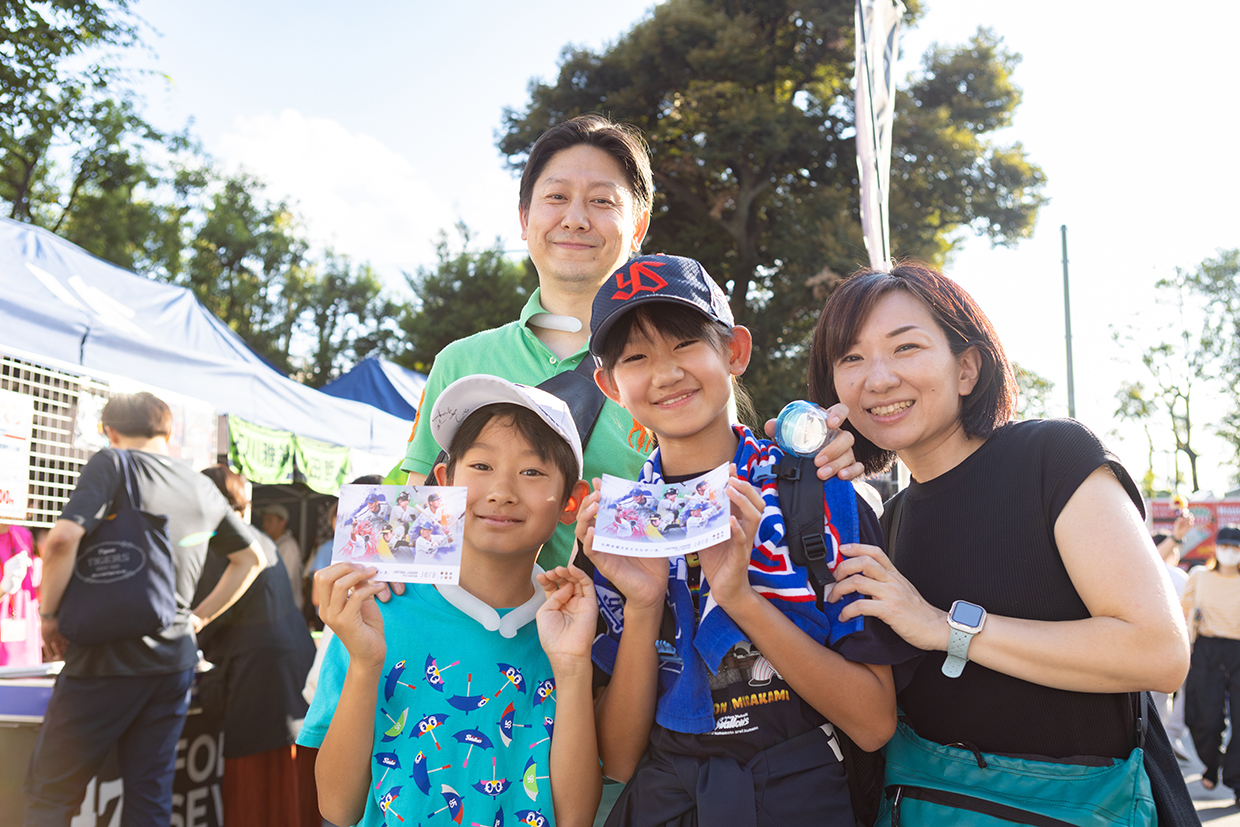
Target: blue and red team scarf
[(685, 703)]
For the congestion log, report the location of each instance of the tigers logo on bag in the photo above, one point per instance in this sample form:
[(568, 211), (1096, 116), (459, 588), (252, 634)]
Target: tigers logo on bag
[(110, 562)]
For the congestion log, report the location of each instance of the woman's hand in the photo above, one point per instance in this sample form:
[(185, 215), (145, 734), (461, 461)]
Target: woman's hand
[(567, 621), (725, 566), (836, 457), (893, 600), (348, 606), (642, 580)]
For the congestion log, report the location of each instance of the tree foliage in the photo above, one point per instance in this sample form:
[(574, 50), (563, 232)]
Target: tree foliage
[(1216, 283), (1033, 395), (747, 107), (1178, 368), (78, 158), (467, 291), (945, 175), (47, 101), (38, 37), (1133, 404), (1215, 286)]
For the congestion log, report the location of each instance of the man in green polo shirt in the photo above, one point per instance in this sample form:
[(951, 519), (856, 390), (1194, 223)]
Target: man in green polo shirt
[(584, 208)]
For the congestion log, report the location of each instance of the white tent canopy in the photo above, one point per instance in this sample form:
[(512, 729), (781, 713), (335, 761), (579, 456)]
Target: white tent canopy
[(59, 302)]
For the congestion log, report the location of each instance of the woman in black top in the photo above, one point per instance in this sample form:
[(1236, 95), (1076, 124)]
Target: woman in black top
[(1034, 523), (262, 651)]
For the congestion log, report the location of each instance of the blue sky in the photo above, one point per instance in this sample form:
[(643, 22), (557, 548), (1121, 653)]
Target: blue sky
[(378, 120)]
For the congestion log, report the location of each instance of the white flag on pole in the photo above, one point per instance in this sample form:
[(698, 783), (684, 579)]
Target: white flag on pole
[(878, 34)]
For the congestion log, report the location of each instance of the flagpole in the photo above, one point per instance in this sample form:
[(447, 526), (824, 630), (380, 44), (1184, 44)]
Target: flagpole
[(1067, 322), (877, 35), (878, 176)]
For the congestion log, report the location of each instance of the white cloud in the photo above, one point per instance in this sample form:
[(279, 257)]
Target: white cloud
[(353, 193)]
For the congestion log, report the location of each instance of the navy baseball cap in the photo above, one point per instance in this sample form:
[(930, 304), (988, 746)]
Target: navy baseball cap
[(657, 278), (1228, 536)]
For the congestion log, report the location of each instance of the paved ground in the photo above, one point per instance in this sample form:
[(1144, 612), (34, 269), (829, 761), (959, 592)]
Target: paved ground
[(1216, 807)]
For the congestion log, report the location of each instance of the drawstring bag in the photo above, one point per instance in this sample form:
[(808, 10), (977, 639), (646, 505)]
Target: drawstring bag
[(123, 583)]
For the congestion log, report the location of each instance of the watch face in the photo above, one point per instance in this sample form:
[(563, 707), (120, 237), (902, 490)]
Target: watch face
[(967, 614)]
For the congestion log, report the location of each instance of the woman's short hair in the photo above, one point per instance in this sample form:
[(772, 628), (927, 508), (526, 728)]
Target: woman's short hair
[(231, 485), (138, 415), (993, 400)]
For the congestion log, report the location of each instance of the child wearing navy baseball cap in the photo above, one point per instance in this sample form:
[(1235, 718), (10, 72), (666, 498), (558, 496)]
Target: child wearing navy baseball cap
[(719, 666)]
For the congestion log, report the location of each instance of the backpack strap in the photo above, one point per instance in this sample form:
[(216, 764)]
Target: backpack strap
[(802, 505), (575, 388), (893, 509), (579, 391)]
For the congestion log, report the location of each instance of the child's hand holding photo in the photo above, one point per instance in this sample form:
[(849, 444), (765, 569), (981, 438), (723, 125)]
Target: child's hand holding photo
[(642, 580), (726, 565)]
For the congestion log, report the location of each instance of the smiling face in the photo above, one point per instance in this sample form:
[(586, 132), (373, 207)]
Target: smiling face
[(583, 221), (514, 497), (679, 388), (903, 386)]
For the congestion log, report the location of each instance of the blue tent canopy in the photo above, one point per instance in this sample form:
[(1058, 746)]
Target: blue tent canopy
[(386, 385), (59, 302)]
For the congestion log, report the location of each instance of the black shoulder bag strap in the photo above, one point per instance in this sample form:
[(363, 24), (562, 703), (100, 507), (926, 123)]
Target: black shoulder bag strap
[(577, 389), (580, 392), (802, 507), (890, 522), (801, 500)]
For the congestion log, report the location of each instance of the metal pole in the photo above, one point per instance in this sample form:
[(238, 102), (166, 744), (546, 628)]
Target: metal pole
[(1067, 322)]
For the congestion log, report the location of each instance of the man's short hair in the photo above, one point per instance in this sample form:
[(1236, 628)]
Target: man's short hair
[(550, 446), (138, 415), (621, 141)]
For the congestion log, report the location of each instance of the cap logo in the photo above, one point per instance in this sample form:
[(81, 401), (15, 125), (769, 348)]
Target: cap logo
[(634, 282)]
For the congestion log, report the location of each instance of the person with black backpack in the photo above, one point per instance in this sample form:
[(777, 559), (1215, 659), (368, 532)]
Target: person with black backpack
[(131, 692)]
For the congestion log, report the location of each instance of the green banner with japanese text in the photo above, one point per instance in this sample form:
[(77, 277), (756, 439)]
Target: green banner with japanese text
[(319, 465), (262, 455), (268, 456)]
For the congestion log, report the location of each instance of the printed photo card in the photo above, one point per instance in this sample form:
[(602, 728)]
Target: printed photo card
[(645, 520), (410, 533)]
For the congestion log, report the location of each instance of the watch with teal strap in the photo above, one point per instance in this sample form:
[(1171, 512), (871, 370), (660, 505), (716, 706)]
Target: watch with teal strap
[(966, 620)]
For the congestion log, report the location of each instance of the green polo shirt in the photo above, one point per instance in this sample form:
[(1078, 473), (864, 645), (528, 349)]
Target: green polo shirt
[(514, 353)]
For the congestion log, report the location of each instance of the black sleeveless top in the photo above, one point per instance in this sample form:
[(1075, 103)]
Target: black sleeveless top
[(984, 532)]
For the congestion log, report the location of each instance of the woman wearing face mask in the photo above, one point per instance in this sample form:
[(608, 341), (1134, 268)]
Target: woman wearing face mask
[(1211, 603)]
